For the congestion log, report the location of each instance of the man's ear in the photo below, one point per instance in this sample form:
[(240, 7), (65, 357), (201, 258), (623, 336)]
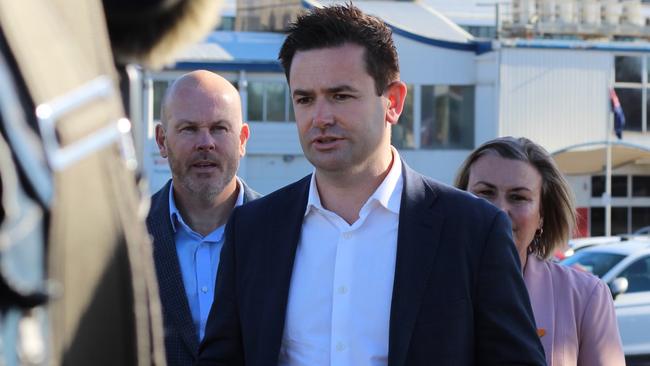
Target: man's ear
[(160, 140), (396, 95), (244, 134)]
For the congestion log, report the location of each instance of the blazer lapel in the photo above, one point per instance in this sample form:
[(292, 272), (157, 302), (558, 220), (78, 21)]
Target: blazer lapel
[(172, 290), (281, 238), (249, 194), (417, 242)]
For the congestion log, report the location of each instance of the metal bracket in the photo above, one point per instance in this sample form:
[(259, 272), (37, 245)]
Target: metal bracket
[(49, 113)]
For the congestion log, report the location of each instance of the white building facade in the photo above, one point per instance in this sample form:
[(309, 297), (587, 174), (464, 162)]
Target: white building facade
[(461, 94)]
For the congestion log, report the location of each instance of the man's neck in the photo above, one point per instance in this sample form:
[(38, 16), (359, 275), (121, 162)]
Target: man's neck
[(344, 193), (204, 216)]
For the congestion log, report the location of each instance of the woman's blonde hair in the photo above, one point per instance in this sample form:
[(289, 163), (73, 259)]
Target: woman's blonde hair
[(557, 200)]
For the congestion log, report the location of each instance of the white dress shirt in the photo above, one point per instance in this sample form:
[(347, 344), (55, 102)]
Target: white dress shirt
[(338, 310), (198, 257)]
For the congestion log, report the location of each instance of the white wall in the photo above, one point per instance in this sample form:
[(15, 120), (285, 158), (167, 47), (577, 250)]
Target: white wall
[(556, 97), (425, 64)]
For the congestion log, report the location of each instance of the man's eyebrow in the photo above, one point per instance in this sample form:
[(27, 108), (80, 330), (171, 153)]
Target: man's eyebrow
[(341, 88), (302, 92), (332, 90)]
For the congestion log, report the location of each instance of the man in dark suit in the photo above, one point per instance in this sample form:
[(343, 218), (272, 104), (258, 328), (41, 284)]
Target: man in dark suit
[(203, 137), (364, 262)]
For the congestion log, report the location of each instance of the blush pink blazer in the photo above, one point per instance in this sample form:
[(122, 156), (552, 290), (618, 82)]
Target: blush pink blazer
[(576, 312)]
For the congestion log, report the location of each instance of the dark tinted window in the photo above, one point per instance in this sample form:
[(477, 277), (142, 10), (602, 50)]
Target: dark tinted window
[(640, 218), (628, 69), (641, 186), (631, 103), (593, 262), (619, 221), (637, 275), (619, 185)]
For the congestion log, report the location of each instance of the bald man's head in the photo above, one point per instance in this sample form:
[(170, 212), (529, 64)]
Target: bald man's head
[(202, 134), (205, 84)]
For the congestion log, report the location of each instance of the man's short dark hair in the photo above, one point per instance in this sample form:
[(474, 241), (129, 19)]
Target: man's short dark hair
[(335, 25)]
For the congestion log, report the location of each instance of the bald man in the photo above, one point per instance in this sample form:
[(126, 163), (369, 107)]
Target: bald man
[(202, 136)]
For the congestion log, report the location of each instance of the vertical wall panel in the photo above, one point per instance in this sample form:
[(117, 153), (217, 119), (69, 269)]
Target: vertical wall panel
[(556, 97)]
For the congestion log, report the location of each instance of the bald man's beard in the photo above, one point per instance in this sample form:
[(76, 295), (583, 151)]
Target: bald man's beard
[(204, 186)]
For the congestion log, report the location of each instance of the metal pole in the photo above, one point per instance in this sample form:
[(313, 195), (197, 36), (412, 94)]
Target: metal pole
[(497, 20), (607, 196)]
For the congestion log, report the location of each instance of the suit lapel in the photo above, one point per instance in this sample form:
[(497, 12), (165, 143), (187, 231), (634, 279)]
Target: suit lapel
[(249, 194), (417, 242), (172, 290), (281, 238)]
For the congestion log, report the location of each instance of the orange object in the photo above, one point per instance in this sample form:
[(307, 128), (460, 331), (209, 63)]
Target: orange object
[(541, 332)]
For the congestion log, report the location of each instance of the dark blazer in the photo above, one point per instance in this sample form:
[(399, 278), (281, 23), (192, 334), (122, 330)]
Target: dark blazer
[(181, 337), (458, 295)]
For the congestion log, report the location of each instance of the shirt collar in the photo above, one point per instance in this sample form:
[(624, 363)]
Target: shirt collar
[(175, 215), (388, 194)]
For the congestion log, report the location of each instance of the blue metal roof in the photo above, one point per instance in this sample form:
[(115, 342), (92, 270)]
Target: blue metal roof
[(576, 45)]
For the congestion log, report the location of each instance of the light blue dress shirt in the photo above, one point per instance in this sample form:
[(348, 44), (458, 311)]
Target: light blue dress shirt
[(198, 257)]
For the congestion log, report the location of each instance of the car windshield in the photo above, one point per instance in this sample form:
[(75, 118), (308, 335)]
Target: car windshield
[(597, 263)]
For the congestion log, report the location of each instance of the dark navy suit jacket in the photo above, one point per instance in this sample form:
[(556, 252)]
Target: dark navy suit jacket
[(181, 337), (458, 295)]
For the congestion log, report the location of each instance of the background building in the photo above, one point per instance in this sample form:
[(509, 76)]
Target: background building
[(462, 91)]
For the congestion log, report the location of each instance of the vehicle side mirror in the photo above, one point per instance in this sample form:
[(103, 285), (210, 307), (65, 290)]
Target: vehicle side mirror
[(618, 286)]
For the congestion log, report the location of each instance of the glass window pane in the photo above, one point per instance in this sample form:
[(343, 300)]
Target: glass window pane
[(619, 185), (159, 88), (597, 221), (402, 132), (619, 220), (628, 69), (275, 102), (448, 117), (594, 262), (641, 186), (640, 218), (631, 103), (638, 275), (427, 115), (292, 114), (255, 94)]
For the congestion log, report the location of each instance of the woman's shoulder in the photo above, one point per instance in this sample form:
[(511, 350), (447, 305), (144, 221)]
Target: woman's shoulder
[(580, 283)]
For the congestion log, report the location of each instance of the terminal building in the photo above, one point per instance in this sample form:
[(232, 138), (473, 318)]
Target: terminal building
[(462, 91)]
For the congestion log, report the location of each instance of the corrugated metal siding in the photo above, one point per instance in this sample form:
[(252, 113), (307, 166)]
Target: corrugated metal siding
[(557, 98)]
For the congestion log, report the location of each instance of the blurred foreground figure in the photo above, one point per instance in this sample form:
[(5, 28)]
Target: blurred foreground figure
[(77, 284)]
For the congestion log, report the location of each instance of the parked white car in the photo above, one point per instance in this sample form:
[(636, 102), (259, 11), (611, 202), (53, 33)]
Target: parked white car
[(625, 267)]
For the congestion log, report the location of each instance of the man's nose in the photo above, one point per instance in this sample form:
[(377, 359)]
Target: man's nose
[(322, 114), (205, 140)]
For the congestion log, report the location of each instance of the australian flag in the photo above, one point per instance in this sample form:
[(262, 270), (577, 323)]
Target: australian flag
[(619, 117)]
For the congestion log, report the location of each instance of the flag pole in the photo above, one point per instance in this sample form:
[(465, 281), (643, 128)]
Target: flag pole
[(607, 196)]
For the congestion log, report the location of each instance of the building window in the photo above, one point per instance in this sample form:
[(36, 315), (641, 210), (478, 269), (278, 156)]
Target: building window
[(619, 221), (641, 186), (631, 85), (269, 102), (159, 89), (640, 217), (619, 185), (630, 200), (447, 117)]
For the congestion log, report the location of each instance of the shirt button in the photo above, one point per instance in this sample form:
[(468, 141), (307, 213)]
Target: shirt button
[(340, 347), (343, 290), (204, 289), (347, 235)]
